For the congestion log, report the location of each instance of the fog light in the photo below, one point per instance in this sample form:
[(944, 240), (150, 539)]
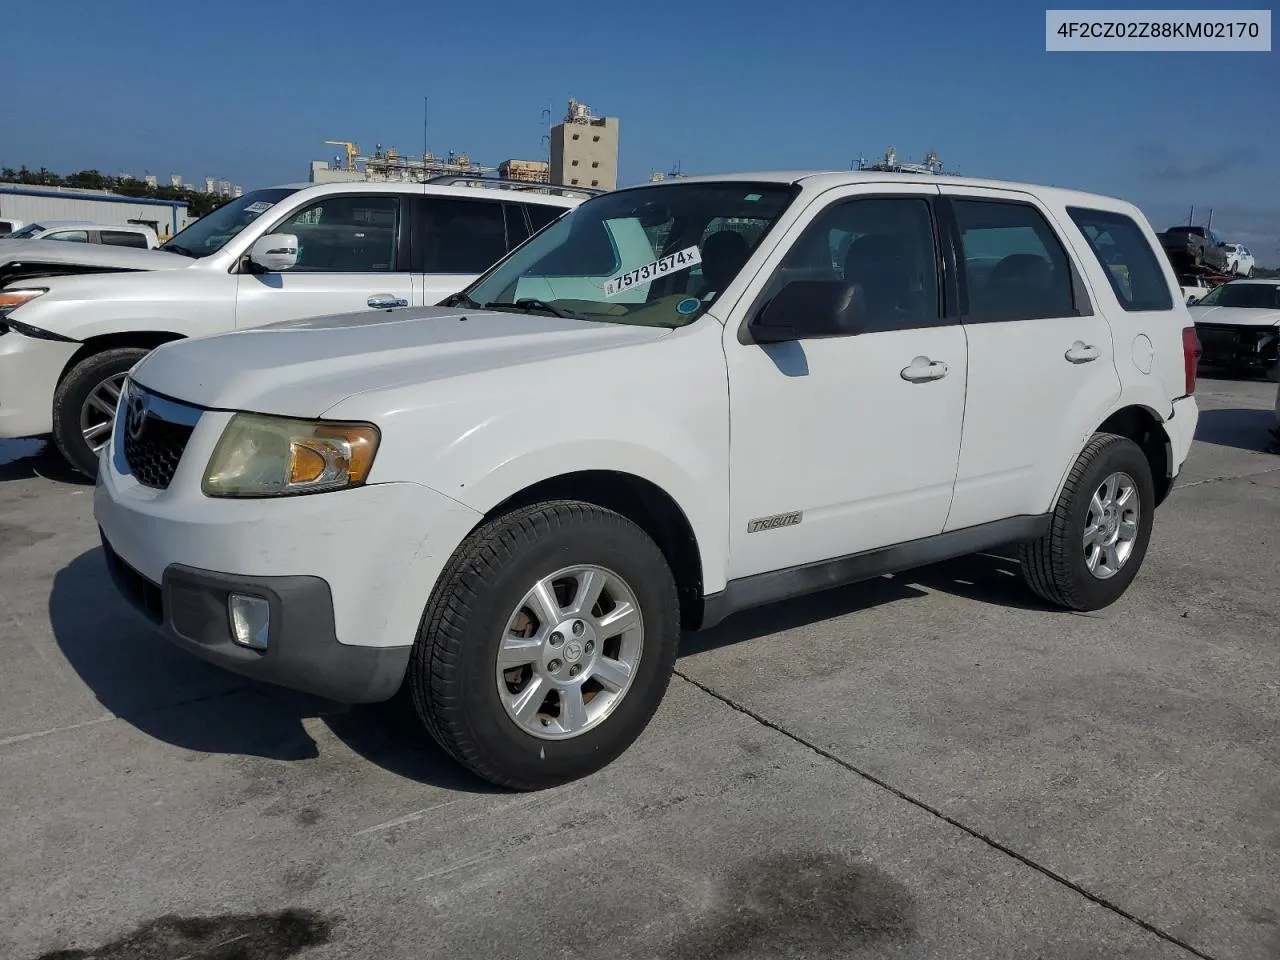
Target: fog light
[(250, 620)]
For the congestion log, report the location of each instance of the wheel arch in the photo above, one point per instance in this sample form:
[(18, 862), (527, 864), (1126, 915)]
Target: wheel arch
[(144, 339), (1146, 428), (641, 501)]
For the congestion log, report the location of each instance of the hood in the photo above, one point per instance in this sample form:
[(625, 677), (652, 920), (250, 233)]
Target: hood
[(301, 368), (1235, 316), (96, 255)]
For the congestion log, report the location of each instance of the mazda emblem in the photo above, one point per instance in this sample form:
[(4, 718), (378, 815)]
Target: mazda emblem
[(136, 415)]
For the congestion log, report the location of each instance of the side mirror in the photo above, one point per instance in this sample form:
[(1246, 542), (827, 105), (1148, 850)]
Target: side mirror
[(274, 253), (811, 309)]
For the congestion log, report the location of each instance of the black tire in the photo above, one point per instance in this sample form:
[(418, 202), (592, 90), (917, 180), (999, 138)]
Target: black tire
[(1054, 566), (451, 672), (73, 392)]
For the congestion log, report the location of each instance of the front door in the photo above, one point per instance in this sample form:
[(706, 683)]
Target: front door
[(350, 258), (1041, 359), (847, 444)]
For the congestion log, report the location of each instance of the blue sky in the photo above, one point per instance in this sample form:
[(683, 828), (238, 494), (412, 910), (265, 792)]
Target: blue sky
[(250, 91)]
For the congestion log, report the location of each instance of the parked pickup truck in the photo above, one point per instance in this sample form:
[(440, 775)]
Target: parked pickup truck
[(678, 402), (74, 317)]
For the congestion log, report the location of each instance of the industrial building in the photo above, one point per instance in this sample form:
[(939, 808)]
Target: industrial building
[(31, 204), (584, 149)]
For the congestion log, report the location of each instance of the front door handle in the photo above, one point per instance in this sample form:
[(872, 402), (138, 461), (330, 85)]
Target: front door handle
[(923, 370), (385, 301), (1081, 352)]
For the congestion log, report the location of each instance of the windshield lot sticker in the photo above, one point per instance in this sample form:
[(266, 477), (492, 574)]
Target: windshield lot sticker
[(259, 207), (684, 259), (688, 305)]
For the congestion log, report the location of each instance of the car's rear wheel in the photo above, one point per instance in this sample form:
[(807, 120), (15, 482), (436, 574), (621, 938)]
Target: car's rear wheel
[(547, 645), (1099, 530), (84, 405)]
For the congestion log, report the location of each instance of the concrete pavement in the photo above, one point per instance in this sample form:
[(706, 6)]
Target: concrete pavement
[(930, 765)]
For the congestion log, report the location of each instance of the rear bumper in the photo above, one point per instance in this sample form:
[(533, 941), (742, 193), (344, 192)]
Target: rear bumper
[(1181, 428), (1223, 345), (189, 606)]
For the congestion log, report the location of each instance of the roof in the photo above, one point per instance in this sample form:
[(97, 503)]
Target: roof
[(379, 186), (23, 190), (63, 224), (827, 179), (1260, 281)]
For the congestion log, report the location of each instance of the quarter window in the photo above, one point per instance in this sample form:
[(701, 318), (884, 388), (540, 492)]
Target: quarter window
[(1015, 267), (884, 246), (1126, 257), (345, 235)]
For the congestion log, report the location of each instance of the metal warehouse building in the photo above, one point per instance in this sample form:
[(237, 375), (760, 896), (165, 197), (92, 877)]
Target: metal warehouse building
[(32, 204)]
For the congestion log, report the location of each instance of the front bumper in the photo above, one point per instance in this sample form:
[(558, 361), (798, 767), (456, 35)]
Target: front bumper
[(190, 607), (1251, 348), (347, 573), (29, 374)]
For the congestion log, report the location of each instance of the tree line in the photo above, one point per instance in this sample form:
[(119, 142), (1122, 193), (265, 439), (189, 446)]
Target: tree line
[(199, 204)]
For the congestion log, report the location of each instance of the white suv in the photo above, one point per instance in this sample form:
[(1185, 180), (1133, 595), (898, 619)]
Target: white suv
[(514, 502), (66, 342)]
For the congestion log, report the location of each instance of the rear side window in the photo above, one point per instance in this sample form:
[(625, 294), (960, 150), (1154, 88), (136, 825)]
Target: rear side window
[(1014, 265), (517, 230), (540, 214), (124, 238), (461, 236), (1126, 257)]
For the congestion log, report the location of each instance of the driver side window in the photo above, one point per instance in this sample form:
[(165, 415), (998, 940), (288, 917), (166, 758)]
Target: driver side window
[(884, 246), (346, 234)]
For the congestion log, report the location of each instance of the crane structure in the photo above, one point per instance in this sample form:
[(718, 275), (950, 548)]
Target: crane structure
[(353, 152)]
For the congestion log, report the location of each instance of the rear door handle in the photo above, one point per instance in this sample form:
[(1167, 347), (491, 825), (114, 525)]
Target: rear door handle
[(1081, 352), (922, 370), (385, 301)]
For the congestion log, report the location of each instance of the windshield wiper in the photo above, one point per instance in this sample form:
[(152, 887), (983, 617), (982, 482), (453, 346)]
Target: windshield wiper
[(528, 305), (174, 248), (460, 300)]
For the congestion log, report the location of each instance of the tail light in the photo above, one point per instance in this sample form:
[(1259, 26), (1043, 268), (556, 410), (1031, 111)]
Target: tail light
[(1190, 356)]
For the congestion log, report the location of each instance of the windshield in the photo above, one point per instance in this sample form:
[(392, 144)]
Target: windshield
[(30, 230), (211, 233), (655, 256), (1250, 296)]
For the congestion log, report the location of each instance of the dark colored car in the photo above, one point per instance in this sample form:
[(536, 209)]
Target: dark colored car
[(1194, 246)]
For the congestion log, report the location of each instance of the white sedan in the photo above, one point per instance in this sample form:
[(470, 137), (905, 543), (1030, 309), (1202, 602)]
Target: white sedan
[(1239, 260)]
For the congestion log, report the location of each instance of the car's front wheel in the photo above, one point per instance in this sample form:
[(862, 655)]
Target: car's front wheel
[(547, 645), (84, 405), (1099, 530)]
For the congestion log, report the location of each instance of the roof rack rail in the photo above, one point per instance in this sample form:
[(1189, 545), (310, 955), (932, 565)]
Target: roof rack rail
[(448, 179)]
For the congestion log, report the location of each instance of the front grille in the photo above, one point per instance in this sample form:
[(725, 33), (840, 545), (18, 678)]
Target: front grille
[(1224, 345), (153, 432), (154, 453)]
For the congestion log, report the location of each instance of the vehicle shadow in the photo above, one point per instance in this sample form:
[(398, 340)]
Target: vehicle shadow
[(27, 459), (179, 699), (1239, 427), (991, 577)]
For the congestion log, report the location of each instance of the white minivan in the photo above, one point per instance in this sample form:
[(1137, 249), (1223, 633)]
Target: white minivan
[(282, 253)]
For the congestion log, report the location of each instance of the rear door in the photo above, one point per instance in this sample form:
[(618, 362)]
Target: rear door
[(455, 239), (1041, 358), (352, 256)]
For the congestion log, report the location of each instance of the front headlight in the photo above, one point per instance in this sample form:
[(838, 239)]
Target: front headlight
[(11, 300), (260, 456)]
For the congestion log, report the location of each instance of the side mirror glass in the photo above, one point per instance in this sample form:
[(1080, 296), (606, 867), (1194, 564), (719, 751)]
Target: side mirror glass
[(274, 253), (811, 309)]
